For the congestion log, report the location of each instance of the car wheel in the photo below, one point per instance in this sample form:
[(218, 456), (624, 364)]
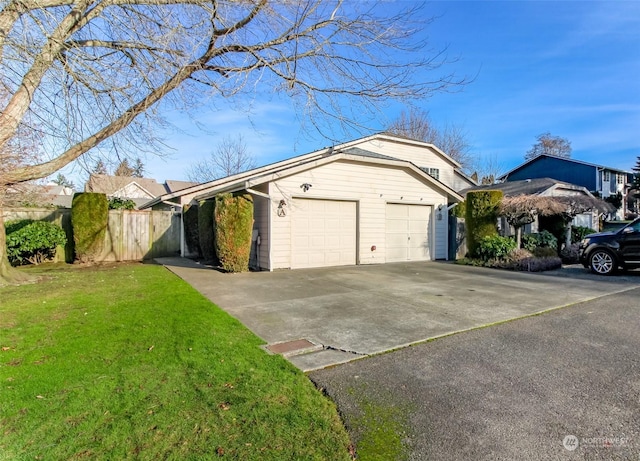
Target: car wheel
[(602, 262)]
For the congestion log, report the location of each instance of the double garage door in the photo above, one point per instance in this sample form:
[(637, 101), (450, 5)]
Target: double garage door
[(324, 233)]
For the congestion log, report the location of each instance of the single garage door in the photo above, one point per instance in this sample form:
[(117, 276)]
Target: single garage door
[(323, 233), (407, 232)]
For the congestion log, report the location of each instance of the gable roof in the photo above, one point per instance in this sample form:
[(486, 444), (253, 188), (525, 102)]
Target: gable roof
[(304, 159), (537, 186), (568, 160), (111, 185), (347, 154), (172, 185)]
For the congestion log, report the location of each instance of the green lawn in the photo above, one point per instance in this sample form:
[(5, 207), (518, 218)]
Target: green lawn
[(129, 362)]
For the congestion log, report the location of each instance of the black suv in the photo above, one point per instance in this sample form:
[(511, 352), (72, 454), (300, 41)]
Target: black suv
[(603, 253)]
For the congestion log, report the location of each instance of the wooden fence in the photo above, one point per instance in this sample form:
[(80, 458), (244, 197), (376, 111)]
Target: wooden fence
[(131, 235)]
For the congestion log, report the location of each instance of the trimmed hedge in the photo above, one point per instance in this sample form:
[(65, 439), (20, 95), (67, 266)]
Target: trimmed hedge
[(206, 231), (233, 227), (89, 218), (191, 232), (481, 216), (33, 241)]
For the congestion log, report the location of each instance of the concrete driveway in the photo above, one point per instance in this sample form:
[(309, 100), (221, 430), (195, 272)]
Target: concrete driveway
[(322, 317)]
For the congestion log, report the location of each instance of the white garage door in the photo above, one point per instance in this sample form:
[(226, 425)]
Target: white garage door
[(323, 233), (407, 232)]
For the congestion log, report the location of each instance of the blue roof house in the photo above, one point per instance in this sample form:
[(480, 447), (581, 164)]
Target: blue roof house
[(605, 181)]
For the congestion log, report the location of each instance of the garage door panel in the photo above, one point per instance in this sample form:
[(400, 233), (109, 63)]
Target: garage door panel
[(407, 232), (324, 233)]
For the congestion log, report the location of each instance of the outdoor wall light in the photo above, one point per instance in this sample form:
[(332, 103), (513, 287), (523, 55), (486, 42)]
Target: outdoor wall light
[(305, 186)]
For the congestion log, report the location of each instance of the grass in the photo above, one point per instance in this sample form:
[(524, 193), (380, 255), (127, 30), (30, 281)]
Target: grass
[(129, 362), (380, 426)]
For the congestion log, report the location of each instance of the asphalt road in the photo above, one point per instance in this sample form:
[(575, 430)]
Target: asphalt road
[(523, 390)]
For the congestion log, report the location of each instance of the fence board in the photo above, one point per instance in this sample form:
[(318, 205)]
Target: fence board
[(131, 235)]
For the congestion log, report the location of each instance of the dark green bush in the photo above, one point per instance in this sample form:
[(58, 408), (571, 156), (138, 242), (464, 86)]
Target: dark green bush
[(544, 239), (495, 247), (206, 231), (33, 241), (89, 218), (190, 216), (554, 224), (580, 232), (481, 215), (117, 203), (233, 224), (460, 210)]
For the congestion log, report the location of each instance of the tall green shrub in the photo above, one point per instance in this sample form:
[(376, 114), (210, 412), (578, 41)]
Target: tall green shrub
[(89, 219), (206, 231), (234, 223), (191, 232), (481, 216)]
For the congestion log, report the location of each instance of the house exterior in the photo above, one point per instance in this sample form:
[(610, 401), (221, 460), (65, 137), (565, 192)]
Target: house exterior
[(377, 199), (604, 181), (544, 187), (38, 195), (140, 190)]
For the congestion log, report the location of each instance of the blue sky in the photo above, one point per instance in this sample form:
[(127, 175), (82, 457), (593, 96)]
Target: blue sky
[(571, 68)]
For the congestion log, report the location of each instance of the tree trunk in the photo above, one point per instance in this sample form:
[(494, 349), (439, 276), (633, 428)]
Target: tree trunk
[(519, 237), (8, 275), (567, 239)]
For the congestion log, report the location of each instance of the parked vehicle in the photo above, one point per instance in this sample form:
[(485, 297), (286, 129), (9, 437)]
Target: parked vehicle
[(605, 252)]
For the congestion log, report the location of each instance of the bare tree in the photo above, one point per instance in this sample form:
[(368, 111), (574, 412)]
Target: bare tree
[(99, 72), (486, 169), (548, 144), (451, 139), (230, 157)]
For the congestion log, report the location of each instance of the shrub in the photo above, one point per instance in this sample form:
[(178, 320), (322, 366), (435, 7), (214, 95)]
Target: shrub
[(495, 247), (569, 254), (534, 264), (481, 215), (460, 210), (33, 241), (89, 219), (580, 232), (545, 252), (233, 227), (544, 239), (117, 203), (206, 231), (190, 216)]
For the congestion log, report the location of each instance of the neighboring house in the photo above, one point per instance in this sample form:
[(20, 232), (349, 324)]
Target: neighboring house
[(37, 195), (604, 181), (546, 187), (140, 190), (377, 199)]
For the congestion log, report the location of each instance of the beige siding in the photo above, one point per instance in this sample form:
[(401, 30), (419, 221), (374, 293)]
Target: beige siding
[(419, 156), (372, 186)]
